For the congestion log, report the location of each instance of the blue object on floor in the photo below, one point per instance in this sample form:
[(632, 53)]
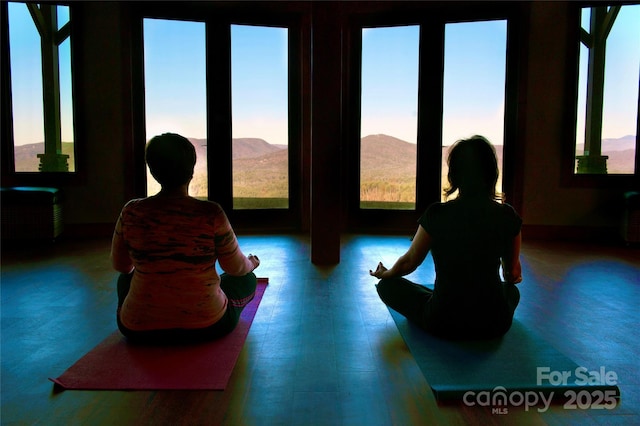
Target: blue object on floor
[(461, 370)]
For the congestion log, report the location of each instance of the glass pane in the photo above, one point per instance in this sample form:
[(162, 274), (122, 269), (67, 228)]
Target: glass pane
[(66, 94), (474, 86), (175, 90), (388, 131), (63, 15), (583, 68), (259, 88), (27, 94), (612, 149)]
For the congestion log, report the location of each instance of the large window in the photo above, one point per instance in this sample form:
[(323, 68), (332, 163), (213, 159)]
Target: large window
[(474, 86), (260, 117), (175, 101), (175, 90), (608, 80), (226, 83), (388, 132), (41, 89), (420, 88)]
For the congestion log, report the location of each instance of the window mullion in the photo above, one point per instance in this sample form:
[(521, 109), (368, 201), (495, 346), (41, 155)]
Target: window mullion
[(219, 153), (430, 109)]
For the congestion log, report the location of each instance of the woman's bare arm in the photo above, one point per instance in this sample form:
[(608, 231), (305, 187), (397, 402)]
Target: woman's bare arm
[(409, 261), (511, 267)]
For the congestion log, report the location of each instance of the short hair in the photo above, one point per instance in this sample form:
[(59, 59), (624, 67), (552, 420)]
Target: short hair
[(473, 168), (171, 159)]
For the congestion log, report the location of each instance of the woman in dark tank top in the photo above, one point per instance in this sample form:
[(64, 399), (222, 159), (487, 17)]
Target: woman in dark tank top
[(470, 238)]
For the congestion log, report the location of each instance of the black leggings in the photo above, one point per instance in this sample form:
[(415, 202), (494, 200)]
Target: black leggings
[(239, 291), (412, 301)]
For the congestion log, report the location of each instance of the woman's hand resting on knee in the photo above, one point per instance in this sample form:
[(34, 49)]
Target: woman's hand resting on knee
[(254, 259), (381, 269)]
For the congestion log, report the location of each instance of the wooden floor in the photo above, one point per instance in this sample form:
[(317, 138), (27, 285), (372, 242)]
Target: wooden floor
[(323, 349)]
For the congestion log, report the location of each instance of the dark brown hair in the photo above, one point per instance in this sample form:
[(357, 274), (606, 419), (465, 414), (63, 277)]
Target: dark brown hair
[(473, 168), (171, 159)]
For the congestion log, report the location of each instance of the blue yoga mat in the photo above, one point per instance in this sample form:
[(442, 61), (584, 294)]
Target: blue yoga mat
[(454, 369)]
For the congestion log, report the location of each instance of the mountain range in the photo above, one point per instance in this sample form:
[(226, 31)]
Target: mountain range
[(382, 156)]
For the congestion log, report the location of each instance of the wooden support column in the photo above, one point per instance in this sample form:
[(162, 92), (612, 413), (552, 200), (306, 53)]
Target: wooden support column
[(219, 135), (45, 18), (601, 22), (326, 133)]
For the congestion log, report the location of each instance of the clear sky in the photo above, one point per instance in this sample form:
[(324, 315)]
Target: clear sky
[(259, 61), (176, 83), (26, 76), (473, 81), (390, 82), (175, 79), (621, 81)]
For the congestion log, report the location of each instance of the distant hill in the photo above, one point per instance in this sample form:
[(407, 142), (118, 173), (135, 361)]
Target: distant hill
[(620, 161), (616, 144), (620, 152), (241, 147), (388, 165), (26, 156), (382, 154), (253, 148)]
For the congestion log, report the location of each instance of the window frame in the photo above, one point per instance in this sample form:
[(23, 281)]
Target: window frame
[(430, 114), (218, 20), (568, 176), (10, 177)]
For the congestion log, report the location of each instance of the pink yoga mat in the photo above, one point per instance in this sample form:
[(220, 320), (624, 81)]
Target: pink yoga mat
[(116, 365)]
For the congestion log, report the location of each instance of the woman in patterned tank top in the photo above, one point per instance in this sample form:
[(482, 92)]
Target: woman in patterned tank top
[(165, 246)]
